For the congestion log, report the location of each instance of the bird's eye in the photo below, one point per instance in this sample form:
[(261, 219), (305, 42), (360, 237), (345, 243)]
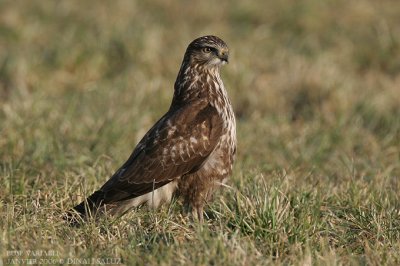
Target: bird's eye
[(207, 49)]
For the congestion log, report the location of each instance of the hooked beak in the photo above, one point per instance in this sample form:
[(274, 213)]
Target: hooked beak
[(224, 56)]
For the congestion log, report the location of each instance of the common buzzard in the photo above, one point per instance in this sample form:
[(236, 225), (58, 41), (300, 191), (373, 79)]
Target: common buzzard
[(189, 152)]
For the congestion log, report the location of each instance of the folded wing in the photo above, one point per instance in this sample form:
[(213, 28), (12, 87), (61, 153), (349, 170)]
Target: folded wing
[(179, 143)]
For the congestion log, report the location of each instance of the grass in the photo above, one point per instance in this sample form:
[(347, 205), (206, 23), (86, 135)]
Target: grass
[(315, 87)]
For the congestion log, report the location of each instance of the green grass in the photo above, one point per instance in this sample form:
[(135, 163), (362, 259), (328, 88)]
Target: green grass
[(315, 87)]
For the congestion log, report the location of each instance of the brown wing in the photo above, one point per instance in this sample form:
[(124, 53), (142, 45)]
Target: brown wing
[(176, 145)]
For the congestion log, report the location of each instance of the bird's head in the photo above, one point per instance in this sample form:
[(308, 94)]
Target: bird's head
[(208, 51)]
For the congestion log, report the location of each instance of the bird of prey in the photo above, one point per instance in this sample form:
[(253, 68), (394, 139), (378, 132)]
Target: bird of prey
[(189, 152)]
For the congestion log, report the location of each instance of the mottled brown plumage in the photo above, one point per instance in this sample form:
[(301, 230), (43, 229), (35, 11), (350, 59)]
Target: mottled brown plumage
[(188, 152)]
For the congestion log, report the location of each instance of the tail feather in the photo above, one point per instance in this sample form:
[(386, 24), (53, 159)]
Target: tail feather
[(87, 208)]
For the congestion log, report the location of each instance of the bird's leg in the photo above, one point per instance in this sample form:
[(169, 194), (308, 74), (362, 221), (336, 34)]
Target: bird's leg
[(198, 213), (186, 209), (195, 212)]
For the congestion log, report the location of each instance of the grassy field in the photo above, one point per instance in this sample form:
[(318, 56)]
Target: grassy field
[(316, 91)]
